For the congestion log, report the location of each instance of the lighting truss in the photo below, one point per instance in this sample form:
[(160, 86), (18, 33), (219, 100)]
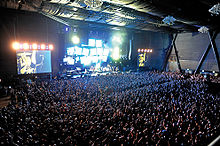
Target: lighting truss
[(215, 10), (169, 20), (93, 3), (203, 29)]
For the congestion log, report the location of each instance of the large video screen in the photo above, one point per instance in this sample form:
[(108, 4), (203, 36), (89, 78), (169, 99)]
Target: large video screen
[(29, 62)]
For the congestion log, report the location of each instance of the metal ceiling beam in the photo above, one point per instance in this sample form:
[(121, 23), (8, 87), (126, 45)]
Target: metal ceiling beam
[(55, 18)]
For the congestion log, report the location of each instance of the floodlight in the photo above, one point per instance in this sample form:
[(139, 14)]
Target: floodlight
[(75, 39)]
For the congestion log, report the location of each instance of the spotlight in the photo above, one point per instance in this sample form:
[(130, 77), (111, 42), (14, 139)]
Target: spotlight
[(26, 46), (151, 50), (75, 39), (139, 50), (50, 47), (43, 46), (15, 45), (34, 46)]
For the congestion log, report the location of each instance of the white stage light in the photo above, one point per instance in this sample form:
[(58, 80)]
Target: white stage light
[(75, 39)]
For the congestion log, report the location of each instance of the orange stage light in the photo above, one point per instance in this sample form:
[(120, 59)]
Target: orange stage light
[(34, 46), (15, 45), (26, 46), (43, 46), (50, 47)]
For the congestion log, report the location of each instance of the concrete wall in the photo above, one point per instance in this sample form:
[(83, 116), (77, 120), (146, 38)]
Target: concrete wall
[(152, 40), (191, 48)]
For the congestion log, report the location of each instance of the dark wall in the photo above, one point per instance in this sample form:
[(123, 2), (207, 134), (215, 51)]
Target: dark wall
[(152, 40), (191, 48), (26, 27)]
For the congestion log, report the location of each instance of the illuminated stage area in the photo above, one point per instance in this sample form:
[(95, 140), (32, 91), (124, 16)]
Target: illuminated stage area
[(94, 54)]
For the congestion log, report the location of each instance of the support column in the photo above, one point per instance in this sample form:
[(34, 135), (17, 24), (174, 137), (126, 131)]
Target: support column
[(205, 53), (169, 52), (215, 50), (177, 57)]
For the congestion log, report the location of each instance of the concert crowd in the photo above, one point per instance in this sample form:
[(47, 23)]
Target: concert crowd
[(145, 108)]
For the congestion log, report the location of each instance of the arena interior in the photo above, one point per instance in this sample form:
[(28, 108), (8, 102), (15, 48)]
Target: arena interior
[(109, 72)]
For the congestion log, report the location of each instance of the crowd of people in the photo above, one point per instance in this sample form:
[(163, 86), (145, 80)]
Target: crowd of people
[(147, 108)]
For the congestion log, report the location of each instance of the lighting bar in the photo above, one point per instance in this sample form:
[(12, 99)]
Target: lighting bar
[(145, 50), (31, 46)]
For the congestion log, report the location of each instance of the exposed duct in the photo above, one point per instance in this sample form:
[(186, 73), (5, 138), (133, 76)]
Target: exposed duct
[(19, 4), (136, 14)]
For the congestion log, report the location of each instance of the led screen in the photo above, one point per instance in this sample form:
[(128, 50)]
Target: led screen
[(85, 51), (69, 60), (78, 51), (106, 52), (29, 62), (99, 51), (92, 42), (70, 51), (98, 43), (92, 52)]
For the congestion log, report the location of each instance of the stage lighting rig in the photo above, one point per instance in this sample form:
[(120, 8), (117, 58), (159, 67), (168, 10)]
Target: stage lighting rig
[(203, 29), (169, 20), (215, 10)]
